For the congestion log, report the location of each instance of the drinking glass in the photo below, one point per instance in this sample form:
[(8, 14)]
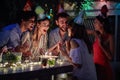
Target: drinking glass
[(18, 56), (60, 61), (44, 61), (51, 62)]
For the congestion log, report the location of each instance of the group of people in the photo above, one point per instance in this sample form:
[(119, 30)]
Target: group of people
[(68, 41)]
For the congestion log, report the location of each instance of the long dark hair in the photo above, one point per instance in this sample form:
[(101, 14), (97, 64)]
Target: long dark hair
[(105, 22), (79, 32)]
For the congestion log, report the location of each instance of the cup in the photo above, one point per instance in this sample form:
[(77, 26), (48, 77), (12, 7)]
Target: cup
[(44, 61), (51, 62), (60, 61), (18, 56)]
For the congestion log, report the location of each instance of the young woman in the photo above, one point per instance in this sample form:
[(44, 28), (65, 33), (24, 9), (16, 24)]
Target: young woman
[(103, 48), (38, 39), (78, 54)]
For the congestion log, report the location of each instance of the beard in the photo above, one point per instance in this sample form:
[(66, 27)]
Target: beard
[(63, 29)]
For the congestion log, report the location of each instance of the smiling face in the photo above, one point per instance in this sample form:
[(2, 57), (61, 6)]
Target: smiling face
[(62, 23), (43, 26), (98, 25)]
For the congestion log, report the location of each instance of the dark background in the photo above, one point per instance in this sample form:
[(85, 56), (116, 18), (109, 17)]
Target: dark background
[(9, 9)]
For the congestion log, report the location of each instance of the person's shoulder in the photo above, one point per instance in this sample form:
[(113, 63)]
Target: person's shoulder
[(5, 33), (26, 33), (9, 27), (14, 31), (74, 43), (54, 31)]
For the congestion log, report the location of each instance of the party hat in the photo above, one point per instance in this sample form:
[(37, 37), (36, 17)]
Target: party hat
[(79, 19), (60, 9), (40, 12)]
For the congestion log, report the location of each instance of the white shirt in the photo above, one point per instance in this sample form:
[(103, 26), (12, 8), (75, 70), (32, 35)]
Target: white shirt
[(81, 56)]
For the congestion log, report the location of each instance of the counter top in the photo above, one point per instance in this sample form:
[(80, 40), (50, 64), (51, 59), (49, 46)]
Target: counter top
[(33, 70)]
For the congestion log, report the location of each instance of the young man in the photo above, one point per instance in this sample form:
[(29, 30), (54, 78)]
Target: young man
[(60, 33), (15, 31)]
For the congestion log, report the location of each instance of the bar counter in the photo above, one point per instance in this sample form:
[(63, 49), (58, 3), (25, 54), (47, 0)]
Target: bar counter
[(33, 70)]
